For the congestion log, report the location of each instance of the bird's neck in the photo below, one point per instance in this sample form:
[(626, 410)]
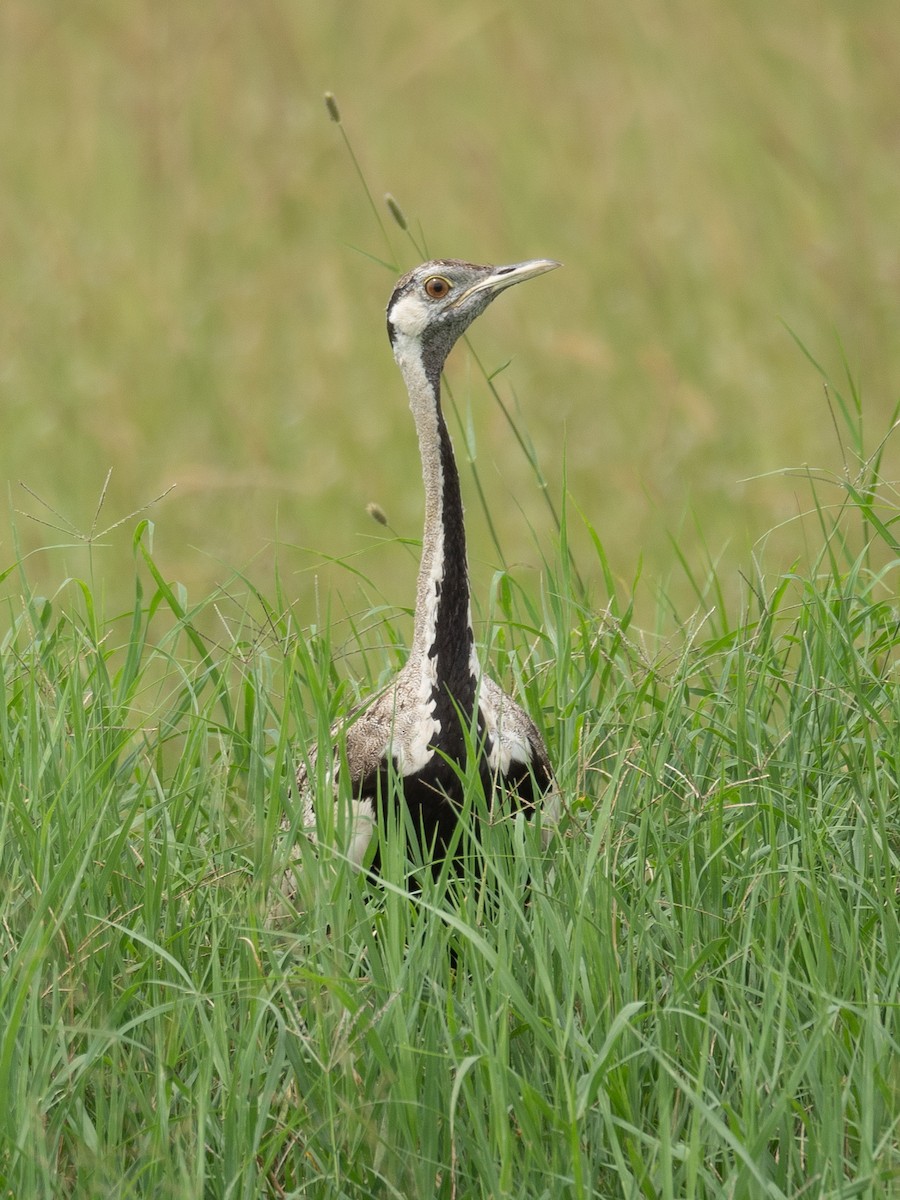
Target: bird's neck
[(443, 642)]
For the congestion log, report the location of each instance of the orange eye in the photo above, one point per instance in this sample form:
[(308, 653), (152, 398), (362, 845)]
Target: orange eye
[(437, 287)]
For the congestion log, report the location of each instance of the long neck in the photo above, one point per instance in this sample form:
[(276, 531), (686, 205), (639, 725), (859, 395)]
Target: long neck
[(442, 637)]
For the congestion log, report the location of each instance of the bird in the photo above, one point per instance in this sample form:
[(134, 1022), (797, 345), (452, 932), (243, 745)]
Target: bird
[(415, 738)]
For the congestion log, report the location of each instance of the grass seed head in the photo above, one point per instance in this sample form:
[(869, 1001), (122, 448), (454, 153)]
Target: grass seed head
[(396, 211), (333, 111)]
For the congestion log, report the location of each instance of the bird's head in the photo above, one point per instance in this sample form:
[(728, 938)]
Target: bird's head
[(433, 304)]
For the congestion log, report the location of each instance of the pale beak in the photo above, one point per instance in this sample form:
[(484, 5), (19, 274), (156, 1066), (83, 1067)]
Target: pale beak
[(501, 278)]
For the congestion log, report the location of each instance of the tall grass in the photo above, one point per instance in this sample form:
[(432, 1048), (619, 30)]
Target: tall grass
[(692, 994)]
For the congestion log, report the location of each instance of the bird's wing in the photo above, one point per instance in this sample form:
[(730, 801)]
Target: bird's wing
[(358, 743), (518, 755), (517, 738), (359, 739)]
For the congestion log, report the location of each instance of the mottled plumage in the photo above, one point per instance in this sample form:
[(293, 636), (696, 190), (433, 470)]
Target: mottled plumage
[(420, 725)]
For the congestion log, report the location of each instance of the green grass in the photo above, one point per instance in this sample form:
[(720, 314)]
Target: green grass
[(698, 999)]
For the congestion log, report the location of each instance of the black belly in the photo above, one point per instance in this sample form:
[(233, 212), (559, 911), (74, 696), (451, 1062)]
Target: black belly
[(433, 797)]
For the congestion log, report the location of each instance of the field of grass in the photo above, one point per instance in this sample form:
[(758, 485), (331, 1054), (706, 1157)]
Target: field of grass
[(693, 993)]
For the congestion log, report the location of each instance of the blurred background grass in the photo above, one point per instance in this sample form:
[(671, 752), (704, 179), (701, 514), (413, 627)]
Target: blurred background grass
[(182, 298)]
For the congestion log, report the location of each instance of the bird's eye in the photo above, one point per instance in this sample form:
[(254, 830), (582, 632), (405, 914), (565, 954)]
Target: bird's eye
[(437, 287)]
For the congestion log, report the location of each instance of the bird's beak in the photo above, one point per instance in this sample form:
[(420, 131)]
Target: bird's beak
[(501, 278)]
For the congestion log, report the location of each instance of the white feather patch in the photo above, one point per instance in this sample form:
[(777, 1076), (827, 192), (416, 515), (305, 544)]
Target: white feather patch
[(409, 317), (507, 743)]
